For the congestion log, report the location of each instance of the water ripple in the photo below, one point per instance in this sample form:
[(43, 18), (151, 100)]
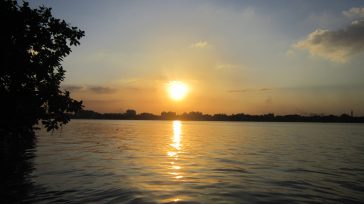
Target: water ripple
[(197, 162)]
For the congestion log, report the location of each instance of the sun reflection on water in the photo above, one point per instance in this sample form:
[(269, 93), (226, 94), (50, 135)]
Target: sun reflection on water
[(176, 135), (177, 147)]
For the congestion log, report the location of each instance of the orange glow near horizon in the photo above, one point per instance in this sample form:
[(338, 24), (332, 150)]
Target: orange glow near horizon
[(177, 90)]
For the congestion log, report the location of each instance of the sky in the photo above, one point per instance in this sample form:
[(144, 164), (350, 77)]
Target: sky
[(283, 57)]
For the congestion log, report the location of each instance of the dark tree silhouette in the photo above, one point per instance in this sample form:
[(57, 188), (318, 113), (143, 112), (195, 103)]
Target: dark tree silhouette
[(33, 45), (130, 113)]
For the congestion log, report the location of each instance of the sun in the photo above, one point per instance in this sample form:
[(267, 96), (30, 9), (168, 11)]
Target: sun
[(177, 90)]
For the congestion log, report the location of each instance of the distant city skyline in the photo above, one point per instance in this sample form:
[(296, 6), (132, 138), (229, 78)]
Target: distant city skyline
[(253, 57)]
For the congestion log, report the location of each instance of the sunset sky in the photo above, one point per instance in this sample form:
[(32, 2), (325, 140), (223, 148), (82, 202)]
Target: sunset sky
[(283, 57)]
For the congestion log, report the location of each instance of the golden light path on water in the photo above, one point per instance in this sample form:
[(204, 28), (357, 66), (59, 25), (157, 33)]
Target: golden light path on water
[(177, 146)]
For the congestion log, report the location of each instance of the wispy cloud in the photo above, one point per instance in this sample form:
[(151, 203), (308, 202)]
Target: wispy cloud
[(200, 44), (225, 66), (338, 45), (94, 89), (354, 12), (265, 89), (72, 88), (102, 89), (247, 90), (239, 90)]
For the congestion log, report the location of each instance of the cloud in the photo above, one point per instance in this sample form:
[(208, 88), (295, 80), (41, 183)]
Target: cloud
[(239, 90), (200, 44), (354, 12), (72, 88), (265, 89), (337, 46), (101, 89), (226, 66), (95, 89), (247, 90)]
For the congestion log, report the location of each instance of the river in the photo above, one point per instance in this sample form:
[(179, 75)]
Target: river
[(115, 161)]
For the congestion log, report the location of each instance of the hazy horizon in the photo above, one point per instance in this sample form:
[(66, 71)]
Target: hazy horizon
[(229, 114), (252, 57)]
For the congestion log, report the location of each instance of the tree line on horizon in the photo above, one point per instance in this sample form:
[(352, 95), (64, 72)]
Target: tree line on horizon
[(199, 116)]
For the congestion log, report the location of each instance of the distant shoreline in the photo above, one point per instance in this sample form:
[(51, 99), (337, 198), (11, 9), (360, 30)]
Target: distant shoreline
[(198, 116), (361, 122)]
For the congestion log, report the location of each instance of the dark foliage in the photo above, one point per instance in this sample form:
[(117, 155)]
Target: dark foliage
[(33, 45)]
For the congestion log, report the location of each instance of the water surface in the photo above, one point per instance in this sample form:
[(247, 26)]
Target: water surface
[(101, 161)]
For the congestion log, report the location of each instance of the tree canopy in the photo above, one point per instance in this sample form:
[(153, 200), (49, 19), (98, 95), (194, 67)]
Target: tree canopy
[(33, 45)]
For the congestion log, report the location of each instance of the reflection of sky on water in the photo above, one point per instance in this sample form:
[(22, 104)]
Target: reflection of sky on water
[(205, 162)]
